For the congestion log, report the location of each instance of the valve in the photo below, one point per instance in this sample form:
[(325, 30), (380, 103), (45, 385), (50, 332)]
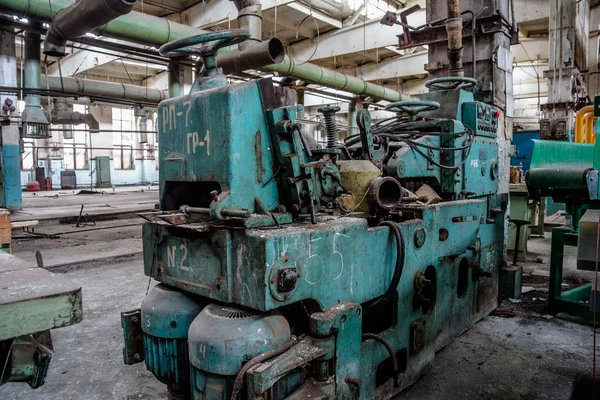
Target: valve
[(450, 83), (330, 126), (412, 108), (208, 43)]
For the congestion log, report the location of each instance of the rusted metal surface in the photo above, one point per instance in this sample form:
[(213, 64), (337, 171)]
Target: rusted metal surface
[(437, 34)]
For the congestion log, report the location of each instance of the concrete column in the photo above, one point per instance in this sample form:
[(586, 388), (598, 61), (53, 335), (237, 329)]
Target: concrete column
[(10, 165)]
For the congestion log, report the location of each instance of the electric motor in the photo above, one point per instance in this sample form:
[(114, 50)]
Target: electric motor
[(222, 339), (166, 317)]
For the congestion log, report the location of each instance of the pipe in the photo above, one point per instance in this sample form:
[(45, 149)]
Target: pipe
[(352, 110), (81, 17), (454, 25), (253, 57), (325, 77), (63, 114), (173, 77), (300, 101), (579, 119), (76, 118), (88, 87), (33, 116), (588, 120), (154, 31), (249, 18)]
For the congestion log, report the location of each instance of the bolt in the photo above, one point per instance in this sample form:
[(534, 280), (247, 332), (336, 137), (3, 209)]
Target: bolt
[(137, 357), (135, 320), (215, 195)]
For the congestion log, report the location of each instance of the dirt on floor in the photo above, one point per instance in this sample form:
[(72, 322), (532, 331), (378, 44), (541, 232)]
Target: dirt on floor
[(519, 352)]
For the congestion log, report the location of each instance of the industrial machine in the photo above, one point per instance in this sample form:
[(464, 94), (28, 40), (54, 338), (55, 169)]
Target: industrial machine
[(290, 270), (568, 172)]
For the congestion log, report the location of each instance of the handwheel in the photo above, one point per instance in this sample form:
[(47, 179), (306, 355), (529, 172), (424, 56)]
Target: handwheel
[(204, 45), (451, 82), (412, 108)]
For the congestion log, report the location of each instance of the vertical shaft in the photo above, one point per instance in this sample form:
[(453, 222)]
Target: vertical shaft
[(454, 25)]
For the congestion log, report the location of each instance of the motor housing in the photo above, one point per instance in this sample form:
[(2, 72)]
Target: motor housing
[(223, 338), (166, 317)]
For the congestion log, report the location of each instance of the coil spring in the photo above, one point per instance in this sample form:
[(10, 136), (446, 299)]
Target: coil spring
[(331, 128), (332, 131)]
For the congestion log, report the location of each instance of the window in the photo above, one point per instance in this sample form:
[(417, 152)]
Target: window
[(123, 138), (27, 162), (75, 149)]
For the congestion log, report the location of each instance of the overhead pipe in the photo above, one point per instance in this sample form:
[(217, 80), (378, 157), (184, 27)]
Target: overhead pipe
[(154, 31), (63, 114), (33, 117), (76, 118), (76, 20), (253, 57), (313, 73), (454, 26), (250, 18), (88, 87)]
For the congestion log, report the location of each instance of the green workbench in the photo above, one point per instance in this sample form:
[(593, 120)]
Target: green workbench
[(32, 302)]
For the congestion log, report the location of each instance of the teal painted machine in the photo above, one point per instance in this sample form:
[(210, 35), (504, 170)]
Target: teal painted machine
[(569, 172), (306, 272)]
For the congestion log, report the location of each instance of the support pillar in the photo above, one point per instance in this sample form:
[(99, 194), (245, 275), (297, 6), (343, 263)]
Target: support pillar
[(10, 162)]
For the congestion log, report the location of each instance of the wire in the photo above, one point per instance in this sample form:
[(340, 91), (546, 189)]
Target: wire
[(398, 268), (392, 354), (318, 36), (239, 379)]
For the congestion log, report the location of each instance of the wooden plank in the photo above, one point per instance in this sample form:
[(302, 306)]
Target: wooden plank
[(24, 224)]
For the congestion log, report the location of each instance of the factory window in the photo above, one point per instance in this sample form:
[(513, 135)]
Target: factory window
[(123, 138), (75, 144), (27, 162)]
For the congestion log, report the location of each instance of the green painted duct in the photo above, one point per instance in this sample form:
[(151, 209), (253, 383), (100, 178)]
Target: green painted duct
[(154, 31)]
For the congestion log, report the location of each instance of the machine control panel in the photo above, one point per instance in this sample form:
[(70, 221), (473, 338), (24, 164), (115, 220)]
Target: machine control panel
[(481, 118)]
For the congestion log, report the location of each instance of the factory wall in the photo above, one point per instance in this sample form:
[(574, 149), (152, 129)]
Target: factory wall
[(50, 153)]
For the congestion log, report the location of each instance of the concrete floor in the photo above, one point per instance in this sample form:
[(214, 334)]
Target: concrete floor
[(525, 356), (61, 204)]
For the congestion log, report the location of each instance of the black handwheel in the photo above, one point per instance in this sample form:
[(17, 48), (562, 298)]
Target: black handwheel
[(412, 108), (451, 82), (204, 45)]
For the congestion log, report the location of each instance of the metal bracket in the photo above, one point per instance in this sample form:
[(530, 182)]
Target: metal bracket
[(133, 348)]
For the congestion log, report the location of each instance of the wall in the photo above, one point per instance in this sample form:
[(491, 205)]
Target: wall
[(99, 145)]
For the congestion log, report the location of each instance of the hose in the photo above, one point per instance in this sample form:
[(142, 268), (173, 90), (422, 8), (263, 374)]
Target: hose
[(399, 267), (392, 354), (239, 379)]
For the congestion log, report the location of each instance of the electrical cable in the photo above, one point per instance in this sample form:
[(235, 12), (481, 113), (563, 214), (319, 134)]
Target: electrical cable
[(395, 129), (392, 355), (398, 268), (239, 379)]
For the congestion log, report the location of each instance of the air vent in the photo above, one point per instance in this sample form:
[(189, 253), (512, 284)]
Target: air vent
[(231, 313)]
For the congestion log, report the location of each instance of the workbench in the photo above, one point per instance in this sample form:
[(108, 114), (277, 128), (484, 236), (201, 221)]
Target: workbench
[(32, 302)]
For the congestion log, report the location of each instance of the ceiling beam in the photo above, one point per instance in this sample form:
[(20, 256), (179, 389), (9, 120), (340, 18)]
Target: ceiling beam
[(404, 67), (304, 30), (316, 13), (79, 62), (210, 13), (355, 39)]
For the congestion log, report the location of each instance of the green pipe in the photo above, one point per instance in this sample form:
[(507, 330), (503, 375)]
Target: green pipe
[(315, 74), (154, 31), (32, 66)]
